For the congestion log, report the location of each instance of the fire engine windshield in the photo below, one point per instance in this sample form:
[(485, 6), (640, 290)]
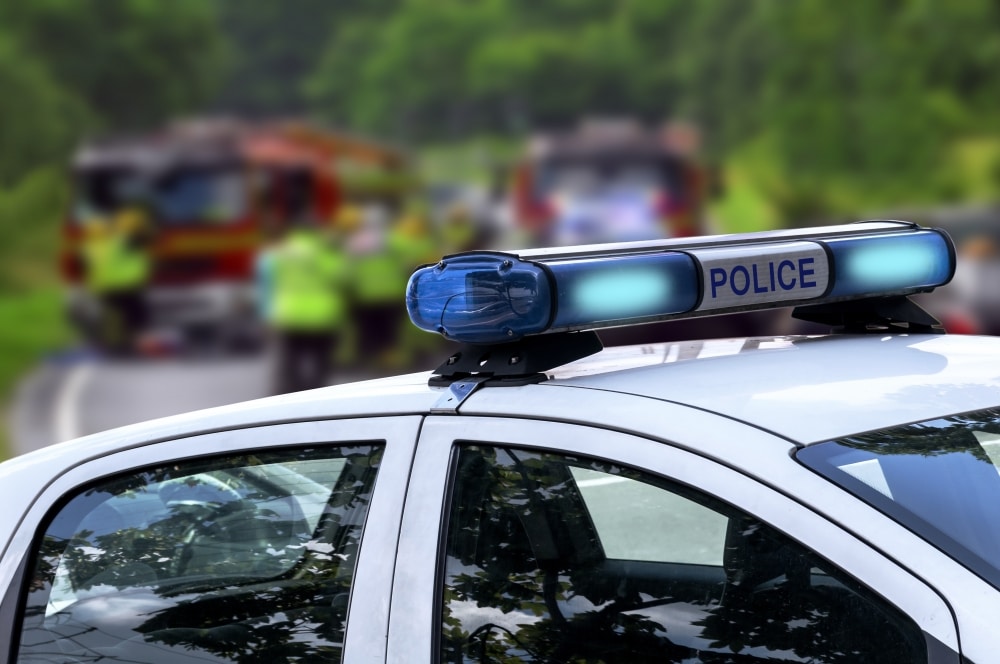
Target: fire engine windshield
[(190, 196), (593, 177), (609, 199)]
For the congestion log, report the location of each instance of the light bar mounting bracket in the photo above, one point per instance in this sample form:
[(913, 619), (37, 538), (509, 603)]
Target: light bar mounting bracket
[(877, 314), (516, 363)]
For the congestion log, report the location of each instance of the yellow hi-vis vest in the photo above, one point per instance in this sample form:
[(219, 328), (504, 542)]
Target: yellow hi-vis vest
[(306, 290), (112, 263), (380, 278)]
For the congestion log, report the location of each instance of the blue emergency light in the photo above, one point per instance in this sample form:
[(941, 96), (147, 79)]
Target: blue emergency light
[(490, 297)]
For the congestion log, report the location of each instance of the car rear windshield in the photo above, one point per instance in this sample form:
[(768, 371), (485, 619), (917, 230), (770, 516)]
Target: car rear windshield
[(939, 478)]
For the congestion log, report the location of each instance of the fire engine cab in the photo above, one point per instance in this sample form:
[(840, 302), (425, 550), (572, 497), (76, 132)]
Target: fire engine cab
[(610, 181), (216, 191)]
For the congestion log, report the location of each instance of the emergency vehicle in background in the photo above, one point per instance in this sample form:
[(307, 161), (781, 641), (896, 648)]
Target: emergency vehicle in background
[(610, 181), (216, 191)]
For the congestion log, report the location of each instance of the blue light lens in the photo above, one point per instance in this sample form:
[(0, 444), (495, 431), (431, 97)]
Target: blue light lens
[(873, 265), (480, 298), (625, 289)]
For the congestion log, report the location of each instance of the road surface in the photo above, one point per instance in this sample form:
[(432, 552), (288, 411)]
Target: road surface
[(74, 394), (68, 398)]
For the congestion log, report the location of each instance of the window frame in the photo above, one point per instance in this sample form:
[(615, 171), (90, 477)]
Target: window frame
[(414, 620), (371, 586)]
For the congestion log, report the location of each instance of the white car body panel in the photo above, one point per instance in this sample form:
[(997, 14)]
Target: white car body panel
[(730, 413), (815, 389)]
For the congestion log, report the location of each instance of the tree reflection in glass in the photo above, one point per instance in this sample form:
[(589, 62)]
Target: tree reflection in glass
[(527, 578), (238, 559)]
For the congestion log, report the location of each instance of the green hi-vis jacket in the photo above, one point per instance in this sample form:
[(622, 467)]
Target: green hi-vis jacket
[(307, 277), (114, 263)]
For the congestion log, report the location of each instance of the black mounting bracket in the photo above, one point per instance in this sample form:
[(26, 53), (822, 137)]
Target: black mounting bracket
[(519, 362), (877, 314)]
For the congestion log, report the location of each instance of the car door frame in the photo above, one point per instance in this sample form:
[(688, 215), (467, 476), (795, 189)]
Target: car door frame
[(364, 639), (415, 605)]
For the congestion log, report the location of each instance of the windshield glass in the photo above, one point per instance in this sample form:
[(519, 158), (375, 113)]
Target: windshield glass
[(940, 478), (610, 200), (586, 178), (182, 196)]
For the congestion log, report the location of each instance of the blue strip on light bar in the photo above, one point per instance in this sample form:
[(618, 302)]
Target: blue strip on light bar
[(488, 297), (635, 288), (873, 265)]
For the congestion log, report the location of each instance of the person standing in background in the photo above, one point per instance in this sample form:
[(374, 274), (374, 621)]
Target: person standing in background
[(301, 284), (117, 266)]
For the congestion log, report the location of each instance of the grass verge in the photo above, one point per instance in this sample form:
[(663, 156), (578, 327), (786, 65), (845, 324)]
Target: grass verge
[(32, 324)]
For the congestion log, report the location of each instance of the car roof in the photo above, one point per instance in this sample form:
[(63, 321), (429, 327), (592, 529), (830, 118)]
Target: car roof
[(810, 388)]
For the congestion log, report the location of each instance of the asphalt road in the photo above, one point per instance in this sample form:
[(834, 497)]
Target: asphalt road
[(69, 397)]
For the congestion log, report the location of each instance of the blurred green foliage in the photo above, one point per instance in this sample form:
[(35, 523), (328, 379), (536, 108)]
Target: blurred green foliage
[(847, 104), (32, 324), (831, 107), (73, 68), (29, 234)]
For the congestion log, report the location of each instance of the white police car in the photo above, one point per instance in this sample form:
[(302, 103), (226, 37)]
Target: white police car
[(789, 499)]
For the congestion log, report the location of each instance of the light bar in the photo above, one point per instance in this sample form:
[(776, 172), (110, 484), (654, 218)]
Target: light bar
[(489, 297)]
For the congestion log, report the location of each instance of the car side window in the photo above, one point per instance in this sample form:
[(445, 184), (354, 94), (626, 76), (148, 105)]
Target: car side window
[(203, 560), (552, 558)]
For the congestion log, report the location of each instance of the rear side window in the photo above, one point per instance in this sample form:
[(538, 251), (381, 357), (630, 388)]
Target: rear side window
[(213, 560), (559, 559)]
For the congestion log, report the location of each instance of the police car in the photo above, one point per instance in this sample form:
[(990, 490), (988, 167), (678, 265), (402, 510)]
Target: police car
[(826, 498)]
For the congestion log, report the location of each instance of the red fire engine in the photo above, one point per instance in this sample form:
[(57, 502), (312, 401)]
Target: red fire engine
[(610, 181), (216, 190)]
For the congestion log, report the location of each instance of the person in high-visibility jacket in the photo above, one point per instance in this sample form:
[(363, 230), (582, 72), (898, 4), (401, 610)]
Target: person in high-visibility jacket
[(117, 267), (301, 283), (413, 243), (388, 252)]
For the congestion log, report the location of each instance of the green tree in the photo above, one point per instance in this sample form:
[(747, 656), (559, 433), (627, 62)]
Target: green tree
[(38, 118), (131, 63), (273, 47), (867, 96), (414, 80)]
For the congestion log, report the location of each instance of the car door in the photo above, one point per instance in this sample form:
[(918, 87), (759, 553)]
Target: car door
[(235, 546), (530, 540)]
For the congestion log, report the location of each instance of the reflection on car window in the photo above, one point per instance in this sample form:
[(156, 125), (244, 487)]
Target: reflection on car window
[(940, 478), (203, 561), (648, 529), (562, 559)]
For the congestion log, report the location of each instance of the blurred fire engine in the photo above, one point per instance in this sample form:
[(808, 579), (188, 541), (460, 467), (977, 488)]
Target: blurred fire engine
[(216, 191), (610, 181)]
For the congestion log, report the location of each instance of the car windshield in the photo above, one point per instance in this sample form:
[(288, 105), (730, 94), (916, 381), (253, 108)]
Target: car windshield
[(940, 478), (188, 196)]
